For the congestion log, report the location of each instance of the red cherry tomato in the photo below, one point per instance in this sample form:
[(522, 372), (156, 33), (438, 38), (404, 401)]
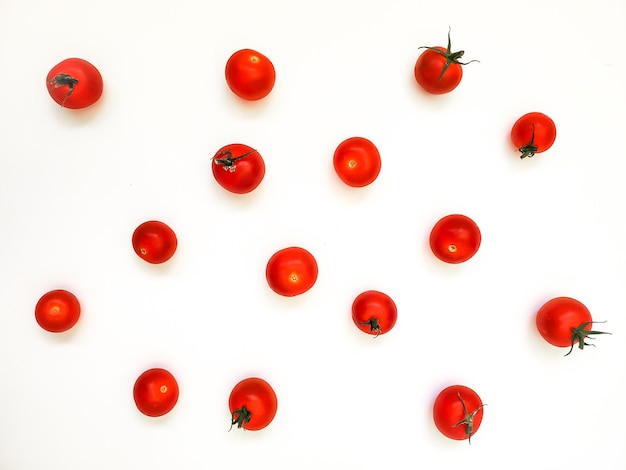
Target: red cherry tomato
[(458, 412), (564, 321), (533, 133), (252, 404), (57, 311), (438, 70), (155, 392), (455, 239), (374, 312), (291, 271), (357, 162), (238, 168), (250, 75), (74, 83), (154, 242)]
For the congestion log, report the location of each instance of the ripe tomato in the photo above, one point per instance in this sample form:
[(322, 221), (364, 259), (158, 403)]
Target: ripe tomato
[(374, 312), (57, 311), (533, 133), (74, 83), (439, 70), (455, 239), (250, 75), (291, 271), (252, 404), (357, 162), (155, 392), (154, 242), (238, 168), (458, 412), (564, 321)]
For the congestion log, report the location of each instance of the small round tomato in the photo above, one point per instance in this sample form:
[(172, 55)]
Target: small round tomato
[(458, 412), (564, 321), (252, 404), (155, 392), (250, 75), (533, 133), (57, 311), (438, 70), (455, 238), (374, 312), (154, 242), (238, 168), (74, 83), (291, 271), (357, 162)]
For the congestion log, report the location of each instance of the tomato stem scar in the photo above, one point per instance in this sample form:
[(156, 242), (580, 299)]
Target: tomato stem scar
[(451, 57), (468, 420), (163, 389), (228, 162), (452, 248), (580, 333)]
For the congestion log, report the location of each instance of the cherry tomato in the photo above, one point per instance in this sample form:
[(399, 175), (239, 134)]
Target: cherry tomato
[(155, 392), (533, 133), (455, 238), (438, 70), (291, 271), (357, 162), (564, 321), (458, 412), (74, 83), (374, 312), (154, 242), (238, 168), (250, 75), (252, 404), (57, 311)]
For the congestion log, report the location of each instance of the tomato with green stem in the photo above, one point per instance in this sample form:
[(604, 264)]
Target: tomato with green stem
[(238, 168), (455, 238), (458, 412), (374, 312), (155, 392), (533, 133), (74, 83), (154, 242), (57, 311), (250, 75), (291, 271), (252, 404), (565, 322), (438, 70)]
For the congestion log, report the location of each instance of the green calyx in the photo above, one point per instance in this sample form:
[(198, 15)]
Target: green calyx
[(451, 57), (374, 326), (63, 79), (227, 160), (240, 417), (468, 420), (580, 334)]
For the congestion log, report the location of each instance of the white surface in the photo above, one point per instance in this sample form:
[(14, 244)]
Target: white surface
[(74, 185)]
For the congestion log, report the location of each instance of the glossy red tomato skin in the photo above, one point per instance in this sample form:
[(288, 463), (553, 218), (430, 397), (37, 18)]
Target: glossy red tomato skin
[(260, 400), (86, 91), (250, 75), (246, 173), (455, 238), (57, 311), (357, 162), (557, 318), (448, 411), (155, 392), (543, 127), (291, 271), (154, 242), (376, 305), (428, 69)]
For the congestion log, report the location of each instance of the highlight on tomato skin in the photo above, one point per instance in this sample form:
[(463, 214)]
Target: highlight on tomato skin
[(250, 75), (74, 83), (57, 311)]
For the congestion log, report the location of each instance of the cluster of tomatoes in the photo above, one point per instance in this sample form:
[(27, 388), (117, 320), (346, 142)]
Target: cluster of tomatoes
[(238, 168)]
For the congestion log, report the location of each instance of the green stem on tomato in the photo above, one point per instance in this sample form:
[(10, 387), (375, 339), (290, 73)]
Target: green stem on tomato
[(529, 149), (374, 325), (64, 79), (228, 162), (468, 420), (451, 57), (240, 417), (580, 333)]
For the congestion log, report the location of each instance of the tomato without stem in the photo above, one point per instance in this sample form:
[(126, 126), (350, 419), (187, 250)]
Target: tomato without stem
[(154, 242), (155, 392), (252, 404), (250, 74), (564, 321), (458, 412), (291, 271), (455, 238), (57, 311), (438, 70), (374, 312), (533, 133), (238, 168), (74, 83), (357, 161)]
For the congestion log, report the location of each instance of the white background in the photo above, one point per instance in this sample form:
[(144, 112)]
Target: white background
[(75, 184)]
